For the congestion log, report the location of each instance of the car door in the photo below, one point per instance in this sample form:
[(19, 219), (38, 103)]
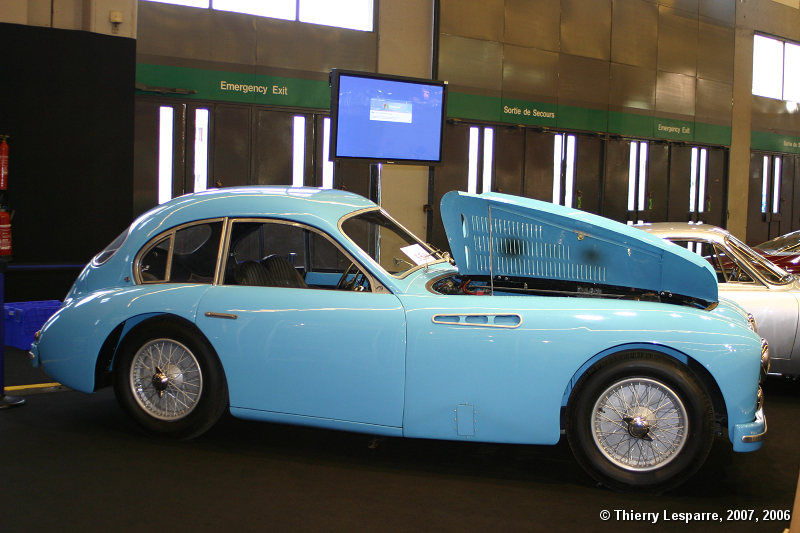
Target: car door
[(291, 342)]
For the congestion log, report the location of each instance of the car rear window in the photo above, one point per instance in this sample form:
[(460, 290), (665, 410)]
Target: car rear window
[(111, 249)]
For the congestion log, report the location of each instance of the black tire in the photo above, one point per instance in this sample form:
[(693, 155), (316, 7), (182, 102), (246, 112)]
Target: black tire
[(168, 378), (654, 443)]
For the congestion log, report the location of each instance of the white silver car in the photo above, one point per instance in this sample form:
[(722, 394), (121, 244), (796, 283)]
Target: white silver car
[(765, 290)]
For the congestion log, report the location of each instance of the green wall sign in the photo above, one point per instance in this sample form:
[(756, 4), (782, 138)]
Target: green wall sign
[(263, 89), (773, 142), (525, 112), (235, 86)]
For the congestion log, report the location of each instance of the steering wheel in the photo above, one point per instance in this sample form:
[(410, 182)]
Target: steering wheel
[(355, 284)]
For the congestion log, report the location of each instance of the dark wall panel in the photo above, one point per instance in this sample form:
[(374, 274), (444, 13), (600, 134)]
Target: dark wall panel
[(589, 173), (272, 152), (714, 57), (471, 62), (533, 23), (633, 24), (632, 88), (509, 157), (479, 19), (239, 42), (615, 186), (145, 164), (677, 41), (450, 176), (680, 172), (69, 108), (538, 182), (658, 183), (716, 187), (231, 146), (530, 74), (586, 28), (757, 226)]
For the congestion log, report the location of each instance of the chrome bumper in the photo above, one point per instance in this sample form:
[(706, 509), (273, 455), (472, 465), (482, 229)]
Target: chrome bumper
[(749, 437)]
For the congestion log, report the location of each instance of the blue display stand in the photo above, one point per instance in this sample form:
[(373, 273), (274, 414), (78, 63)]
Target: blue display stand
[(5, 401)]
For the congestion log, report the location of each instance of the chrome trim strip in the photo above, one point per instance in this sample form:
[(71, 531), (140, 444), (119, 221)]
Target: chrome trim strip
[(438, 319), (756, 438), (229, 316)]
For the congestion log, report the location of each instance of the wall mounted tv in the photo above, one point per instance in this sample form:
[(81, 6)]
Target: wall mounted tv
[(386, 118)]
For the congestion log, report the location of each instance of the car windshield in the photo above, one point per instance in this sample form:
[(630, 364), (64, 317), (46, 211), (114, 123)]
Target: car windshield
[(785, 243), (767, 270), (390, 245)]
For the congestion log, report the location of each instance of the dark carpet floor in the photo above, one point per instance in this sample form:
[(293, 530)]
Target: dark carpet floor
[(74, 462)]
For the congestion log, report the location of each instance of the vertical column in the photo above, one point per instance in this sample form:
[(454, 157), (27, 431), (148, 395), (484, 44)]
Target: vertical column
[(405, 48), (739, 163)]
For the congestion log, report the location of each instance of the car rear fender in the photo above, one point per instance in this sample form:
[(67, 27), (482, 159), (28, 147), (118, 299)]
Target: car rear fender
[(110, 348)]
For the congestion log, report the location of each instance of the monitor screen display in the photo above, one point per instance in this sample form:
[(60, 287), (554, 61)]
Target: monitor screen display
[(386, 118)]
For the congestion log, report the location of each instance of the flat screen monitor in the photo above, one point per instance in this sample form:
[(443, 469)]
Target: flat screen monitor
[(386, 118)]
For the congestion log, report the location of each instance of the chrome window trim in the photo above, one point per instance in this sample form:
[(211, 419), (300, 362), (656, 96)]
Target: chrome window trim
[(170, 233), (376, 286)]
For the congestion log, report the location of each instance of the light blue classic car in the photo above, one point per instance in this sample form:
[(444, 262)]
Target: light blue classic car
[(314, 307)]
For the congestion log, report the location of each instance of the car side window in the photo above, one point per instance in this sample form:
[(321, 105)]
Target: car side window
[(153, 265), (187, 255), (283, 254), (195, 252)]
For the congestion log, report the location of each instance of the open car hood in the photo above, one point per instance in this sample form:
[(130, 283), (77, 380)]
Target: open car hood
[(495, 234)]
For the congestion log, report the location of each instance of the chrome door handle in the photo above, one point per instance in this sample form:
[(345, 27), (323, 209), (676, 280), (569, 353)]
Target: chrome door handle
[(229, 316)]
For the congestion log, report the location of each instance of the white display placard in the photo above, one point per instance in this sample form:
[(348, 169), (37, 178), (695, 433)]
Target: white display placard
[(417, 253)]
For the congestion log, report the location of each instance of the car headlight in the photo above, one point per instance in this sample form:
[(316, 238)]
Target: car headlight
[(751, 322)]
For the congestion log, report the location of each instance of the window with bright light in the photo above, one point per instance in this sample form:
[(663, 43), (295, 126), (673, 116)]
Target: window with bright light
[(764, 183), (771, 184), (327, 165), (277, 9), (165, 134), (481, 159), (791, 74), (472, 168), (187, 3), (564, 164), (697, 180), (776, 185), (298, 150), (637, 176), (350, 14), (488, 158), (775, 68), (200, 150)]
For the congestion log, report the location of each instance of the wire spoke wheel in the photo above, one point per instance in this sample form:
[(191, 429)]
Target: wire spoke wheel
[(640, 420), (639, 424), (166, 379)]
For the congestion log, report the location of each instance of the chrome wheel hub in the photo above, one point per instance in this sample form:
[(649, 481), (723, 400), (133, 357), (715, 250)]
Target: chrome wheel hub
[(638, 427), (165, 379), (639, 424)]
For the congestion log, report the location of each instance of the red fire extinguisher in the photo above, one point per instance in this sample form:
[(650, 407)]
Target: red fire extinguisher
[(5, 216), (3, 163), (5, 233)]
